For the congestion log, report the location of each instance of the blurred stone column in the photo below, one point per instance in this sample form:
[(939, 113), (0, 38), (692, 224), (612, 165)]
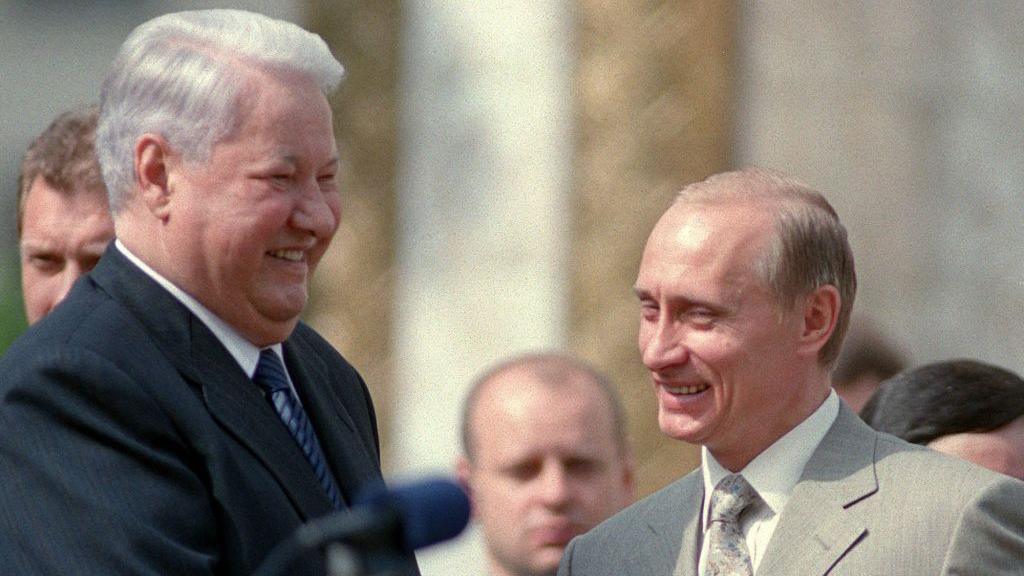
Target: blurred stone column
[(538, 144), (907, 115), (353, 293), (653, 93), (483, 235)]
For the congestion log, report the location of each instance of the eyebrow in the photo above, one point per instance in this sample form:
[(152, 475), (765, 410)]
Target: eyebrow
[(35, 245)]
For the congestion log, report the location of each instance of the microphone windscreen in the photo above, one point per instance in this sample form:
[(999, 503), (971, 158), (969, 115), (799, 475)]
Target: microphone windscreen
[(431, 511)]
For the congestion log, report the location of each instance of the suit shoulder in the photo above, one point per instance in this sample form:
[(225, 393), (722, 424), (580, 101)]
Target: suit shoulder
[(641, 514), (899, 456), (88, 320), (952, 485), (647, 534)]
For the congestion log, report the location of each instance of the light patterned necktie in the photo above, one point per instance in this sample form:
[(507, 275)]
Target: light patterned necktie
[(271, 377), (727, 548)]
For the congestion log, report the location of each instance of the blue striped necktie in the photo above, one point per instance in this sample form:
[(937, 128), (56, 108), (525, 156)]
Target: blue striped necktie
[(271, 377)]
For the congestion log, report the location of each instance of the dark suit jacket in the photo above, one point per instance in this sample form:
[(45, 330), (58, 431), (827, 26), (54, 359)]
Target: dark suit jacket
[(131, 442), (866, 504)]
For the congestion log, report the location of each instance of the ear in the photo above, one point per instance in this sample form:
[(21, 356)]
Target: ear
[(152, 157), (464, 473), (820, 314)]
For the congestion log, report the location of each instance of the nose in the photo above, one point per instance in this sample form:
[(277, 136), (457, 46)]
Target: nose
[(317, 211), (661, 345), (555, 486)]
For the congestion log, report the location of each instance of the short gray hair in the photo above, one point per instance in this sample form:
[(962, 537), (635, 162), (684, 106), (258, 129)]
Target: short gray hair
[(178, 76), (810, 248)]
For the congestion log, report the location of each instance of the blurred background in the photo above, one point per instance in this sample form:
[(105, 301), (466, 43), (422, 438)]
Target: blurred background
[(505, 161)]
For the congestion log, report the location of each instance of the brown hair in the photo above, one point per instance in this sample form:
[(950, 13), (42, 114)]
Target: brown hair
[(810, 248), (64, 155)]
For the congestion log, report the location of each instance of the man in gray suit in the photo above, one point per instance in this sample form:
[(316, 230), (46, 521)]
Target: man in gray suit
[(745, 288)]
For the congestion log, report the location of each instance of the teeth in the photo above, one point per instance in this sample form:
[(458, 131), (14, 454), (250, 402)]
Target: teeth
[(686, 389), (290, 255)]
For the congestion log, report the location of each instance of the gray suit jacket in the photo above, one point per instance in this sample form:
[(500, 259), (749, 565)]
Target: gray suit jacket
[(866, 504)]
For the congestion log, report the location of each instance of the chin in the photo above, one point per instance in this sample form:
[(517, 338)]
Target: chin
[(268, 332), (548, 564), (282, 309), (679, 427)]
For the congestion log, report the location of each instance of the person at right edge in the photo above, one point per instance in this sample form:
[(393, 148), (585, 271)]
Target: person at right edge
[(745, 288)]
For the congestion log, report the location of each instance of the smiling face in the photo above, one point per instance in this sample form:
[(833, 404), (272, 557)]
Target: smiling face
[(546, 468), (63, 236), (243, 231), (728, 365)]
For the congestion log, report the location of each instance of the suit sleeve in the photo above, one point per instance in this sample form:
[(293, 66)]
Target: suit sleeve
[(93, 478), (565, 566), (989, 539)]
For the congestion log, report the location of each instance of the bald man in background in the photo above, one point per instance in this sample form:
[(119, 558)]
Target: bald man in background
[(64, 223), (545, 458)]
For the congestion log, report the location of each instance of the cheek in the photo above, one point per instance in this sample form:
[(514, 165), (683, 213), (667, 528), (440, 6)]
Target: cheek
[(495, 496), (713, 349), (38, 285)]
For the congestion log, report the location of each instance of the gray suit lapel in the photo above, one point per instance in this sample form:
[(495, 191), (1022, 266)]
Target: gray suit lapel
[(689, 552), (674, 522), (815, 529)]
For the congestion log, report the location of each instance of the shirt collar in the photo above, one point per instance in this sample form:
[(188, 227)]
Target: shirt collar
[(775, 471), (244, 352)]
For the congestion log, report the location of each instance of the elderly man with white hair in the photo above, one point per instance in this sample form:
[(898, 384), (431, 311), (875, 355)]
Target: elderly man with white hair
[(174, 416)]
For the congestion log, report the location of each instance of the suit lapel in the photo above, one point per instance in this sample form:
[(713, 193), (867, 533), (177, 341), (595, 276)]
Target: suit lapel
[(352, 465), (816, 528), (232, 399), (236, 403), (689, 552), (674, 521)]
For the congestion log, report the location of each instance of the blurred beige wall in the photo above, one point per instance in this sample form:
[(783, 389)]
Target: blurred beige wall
[(536, 145), (908, 116), (551, 239), (652, 95)]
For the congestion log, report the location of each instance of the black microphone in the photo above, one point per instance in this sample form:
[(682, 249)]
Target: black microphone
[(378, 534)]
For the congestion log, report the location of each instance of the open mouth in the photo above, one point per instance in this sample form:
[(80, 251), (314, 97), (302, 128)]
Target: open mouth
[(289, 255), (686, 390)]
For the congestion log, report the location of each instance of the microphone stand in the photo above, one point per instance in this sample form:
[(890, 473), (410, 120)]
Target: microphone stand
[(358, 542)]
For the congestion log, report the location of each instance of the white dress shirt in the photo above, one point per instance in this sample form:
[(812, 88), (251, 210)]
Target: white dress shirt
[(244, 352), (773, 473)]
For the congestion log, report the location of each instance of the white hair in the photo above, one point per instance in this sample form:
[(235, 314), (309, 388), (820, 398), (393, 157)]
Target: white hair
[(179, 75)]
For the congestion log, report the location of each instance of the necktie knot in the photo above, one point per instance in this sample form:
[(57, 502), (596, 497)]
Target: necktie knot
[(731, 497), (270, 374)]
